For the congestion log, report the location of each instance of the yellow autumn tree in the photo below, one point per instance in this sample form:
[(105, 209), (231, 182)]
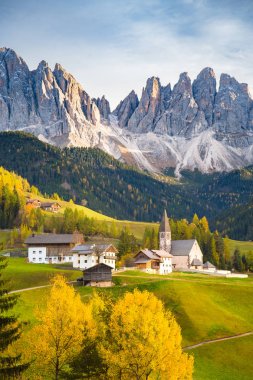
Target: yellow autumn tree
[(58, 336), (144, 341)]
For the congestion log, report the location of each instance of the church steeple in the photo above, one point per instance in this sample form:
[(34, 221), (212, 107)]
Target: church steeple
[(165, 233)]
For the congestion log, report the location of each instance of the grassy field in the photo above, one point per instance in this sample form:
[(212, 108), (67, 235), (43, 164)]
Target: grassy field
[(229, 360), (23, 275), (244, 246), (205, 307)]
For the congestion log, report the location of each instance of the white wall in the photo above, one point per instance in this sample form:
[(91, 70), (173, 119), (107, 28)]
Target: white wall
[(195, 253), (85, 261), (37, 254), (165, 266)]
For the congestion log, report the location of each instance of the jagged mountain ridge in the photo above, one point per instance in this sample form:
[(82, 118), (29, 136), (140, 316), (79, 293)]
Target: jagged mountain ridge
[(193, 125)]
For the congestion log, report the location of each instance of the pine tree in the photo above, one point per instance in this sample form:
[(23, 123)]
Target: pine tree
[(11, 366)]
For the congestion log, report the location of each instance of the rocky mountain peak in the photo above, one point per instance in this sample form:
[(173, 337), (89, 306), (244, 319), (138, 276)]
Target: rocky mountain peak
[(103, 107), (126, 108), (204, 91)]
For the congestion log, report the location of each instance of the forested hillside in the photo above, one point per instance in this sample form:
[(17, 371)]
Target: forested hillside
[(93, 178), (12, 190)]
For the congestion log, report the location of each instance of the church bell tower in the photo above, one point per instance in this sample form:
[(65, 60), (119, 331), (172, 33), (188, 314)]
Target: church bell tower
[(165, 234)]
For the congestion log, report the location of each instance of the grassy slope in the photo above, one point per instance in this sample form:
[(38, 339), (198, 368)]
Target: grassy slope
[(205, 307), (229, 360), (244, 246), (137, 228), (24, 275)]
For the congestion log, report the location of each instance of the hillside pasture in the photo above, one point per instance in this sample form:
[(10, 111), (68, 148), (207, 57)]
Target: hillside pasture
[(22, 274), (205, 307), (243, 246)]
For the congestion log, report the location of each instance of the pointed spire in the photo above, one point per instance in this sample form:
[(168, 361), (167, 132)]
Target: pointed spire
[(165, 224)]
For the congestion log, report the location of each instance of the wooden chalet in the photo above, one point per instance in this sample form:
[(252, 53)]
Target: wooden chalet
[(50, 206), (99, 275), (36, 203)]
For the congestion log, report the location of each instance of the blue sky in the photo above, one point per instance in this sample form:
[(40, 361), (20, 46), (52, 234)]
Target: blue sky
[(113, 46)]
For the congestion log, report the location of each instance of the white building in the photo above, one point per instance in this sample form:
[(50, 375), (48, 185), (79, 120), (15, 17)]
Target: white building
[(52, 248), (87, 255)]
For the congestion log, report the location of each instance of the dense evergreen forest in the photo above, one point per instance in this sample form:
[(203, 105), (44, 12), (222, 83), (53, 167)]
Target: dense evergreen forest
[(93, 178)]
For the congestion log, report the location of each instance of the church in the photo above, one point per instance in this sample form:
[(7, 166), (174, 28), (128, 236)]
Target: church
[(172, 254)]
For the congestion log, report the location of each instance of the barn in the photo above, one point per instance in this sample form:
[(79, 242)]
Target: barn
[(99, 275)]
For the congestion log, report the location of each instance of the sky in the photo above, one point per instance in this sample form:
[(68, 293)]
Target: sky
[(113, 46)]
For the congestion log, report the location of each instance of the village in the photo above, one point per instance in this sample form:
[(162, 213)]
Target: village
[(98, 261)]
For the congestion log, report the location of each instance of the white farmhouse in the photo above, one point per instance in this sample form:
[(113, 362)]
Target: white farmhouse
[(52, 248), (87, 255)]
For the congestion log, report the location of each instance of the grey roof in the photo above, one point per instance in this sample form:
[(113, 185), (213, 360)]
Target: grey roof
[(181, 247), (90, 248), (196, 262), (161, 253), (150, 254), (50, 239), (142, 261), (208, 265), (165, 224)]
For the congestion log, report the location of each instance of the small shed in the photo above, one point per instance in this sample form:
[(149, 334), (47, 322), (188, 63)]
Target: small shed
[(209, 267), (99, 275)]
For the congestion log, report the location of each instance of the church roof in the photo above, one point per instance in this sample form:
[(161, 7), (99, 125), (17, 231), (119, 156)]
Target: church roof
[(165, 224), (181, 247)]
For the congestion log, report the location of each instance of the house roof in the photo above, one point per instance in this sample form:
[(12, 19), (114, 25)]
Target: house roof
[(154, 254), (97, 267), (49, 204), (91, 248), (150, 254), (51, 239), (142, 261), (165, 224), (196, 262), (161, 253), (181, 247), (208, 265)]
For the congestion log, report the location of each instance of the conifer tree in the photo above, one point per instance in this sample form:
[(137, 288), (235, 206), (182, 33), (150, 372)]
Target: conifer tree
[(11, 365)]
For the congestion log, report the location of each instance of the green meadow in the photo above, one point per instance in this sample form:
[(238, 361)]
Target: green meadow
[(22, 274), (244, 246), (206, 308)]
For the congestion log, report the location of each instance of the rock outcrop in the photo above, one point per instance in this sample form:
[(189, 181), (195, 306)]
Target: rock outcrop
[(149, 109), (103, 107), (126, 108)]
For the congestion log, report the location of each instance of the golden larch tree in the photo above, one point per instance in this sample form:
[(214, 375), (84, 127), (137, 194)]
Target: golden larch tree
[(144, 341), (58, 336)]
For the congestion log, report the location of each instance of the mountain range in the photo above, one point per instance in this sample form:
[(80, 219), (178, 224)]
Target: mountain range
[(192, 125)]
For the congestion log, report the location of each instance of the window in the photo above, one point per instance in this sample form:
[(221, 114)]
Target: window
[(34, 259), (78, 261), (85, 261), (40, 252), (34, 252), (40, 259)]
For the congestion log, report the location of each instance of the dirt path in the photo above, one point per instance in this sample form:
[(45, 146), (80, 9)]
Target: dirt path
[(218, 340), (35, 287)]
